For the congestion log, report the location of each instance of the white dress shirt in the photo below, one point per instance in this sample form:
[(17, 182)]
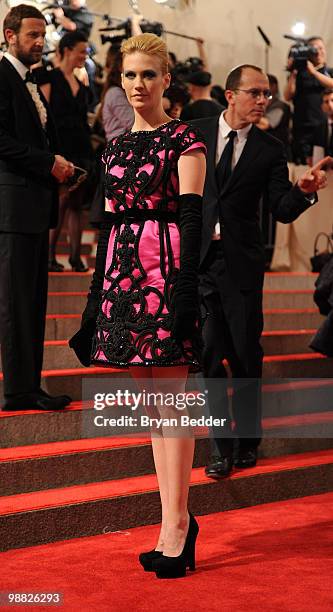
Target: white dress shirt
[(19, 67), (31, 87), (222, 140)]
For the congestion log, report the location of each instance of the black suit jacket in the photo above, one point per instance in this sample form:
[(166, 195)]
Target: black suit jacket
[(321, 137), (28, 192), (261, 168)]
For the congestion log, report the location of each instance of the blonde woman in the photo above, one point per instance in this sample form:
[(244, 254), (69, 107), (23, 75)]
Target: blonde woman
[(143, 302)]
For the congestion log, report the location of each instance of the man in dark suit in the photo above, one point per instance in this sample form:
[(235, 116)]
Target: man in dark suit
[(243, 162), (323, 135), (29, 175)]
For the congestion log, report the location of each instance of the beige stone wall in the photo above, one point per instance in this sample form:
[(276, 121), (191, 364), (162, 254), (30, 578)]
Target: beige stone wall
[(229, 28)]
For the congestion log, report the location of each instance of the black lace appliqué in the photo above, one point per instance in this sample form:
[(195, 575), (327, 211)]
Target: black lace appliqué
[(127, 329)]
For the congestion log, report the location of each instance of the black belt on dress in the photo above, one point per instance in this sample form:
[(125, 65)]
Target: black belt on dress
[(136, 214)]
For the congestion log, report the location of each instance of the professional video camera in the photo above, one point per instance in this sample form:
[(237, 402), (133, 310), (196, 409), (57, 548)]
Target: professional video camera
[(123, 29), (300, 53), (182, 69)]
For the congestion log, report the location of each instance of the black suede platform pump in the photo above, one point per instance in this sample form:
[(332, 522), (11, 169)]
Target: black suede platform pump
[(146, 559), (175, 567)]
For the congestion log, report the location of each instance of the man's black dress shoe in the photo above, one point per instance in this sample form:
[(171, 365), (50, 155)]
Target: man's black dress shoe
[(246, 458), (62, 398), (220, 467), (33, 401)]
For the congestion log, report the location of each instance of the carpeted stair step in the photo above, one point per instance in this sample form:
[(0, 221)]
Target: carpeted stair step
[(57, 514), (66, 302), (290, 280), (70, 301), (62, 327), (69, 380), (67, 463), (58, 355), (282, 342), (288, 298), (299, 365), (292, 318), (69, 281)]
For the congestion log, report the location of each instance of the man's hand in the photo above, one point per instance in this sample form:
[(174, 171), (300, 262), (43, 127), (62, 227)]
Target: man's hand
[(310, 68), (58, 13), (315, 178), (62, 169)]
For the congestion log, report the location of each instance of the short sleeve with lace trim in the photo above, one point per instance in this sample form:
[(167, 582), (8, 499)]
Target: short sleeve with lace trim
[(189, 138)]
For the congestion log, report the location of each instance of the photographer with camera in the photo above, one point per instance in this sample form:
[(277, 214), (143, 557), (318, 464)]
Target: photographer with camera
[(309, 76), (75, 17)]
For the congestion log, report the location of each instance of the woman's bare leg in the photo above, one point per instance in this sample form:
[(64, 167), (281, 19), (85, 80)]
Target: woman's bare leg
[(139, 374), (177, 460)]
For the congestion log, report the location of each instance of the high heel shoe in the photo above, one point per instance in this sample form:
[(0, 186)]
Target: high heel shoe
[(77, 265), (175, 567), (54, 265), (146, 559)]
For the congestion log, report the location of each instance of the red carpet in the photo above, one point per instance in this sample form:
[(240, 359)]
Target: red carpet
[(273, 558)]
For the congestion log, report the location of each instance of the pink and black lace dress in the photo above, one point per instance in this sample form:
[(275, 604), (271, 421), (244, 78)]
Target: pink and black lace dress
[(143, 249)]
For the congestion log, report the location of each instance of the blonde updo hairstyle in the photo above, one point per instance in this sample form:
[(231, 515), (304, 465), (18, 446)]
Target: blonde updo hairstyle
[(149, 44)]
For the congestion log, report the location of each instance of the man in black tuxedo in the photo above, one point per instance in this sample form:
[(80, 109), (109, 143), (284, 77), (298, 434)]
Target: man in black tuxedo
[(243, 162), (29, 176)]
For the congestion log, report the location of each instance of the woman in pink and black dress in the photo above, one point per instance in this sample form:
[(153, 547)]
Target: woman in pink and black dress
[(144, 290)]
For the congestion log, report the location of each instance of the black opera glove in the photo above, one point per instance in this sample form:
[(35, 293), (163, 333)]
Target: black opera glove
[(186, 304), (82, 341), (94, 295)]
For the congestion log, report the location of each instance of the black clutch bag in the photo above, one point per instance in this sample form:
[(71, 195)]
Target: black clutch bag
[(81, 342)]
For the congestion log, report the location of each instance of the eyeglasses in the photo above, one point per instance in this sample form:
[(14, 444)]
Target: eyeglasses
[(257, 93)]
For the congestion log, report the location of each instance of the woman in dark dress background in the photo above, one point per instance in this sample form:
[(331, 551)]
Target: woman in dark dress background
[(68, 99)]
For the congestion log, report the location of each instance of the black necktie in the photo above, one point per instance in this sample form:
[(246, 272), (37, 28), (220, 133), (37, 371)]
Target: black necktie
[(223, 168)]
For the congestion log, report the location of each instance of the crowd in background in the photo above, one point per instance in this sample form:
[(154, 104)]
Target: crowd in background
[(96, 109)]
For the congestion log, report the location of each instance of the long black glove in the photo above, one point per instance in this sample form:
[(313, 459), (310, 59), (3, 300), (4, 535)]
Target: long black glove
[(94, 295), (186, 305), (82, 341)]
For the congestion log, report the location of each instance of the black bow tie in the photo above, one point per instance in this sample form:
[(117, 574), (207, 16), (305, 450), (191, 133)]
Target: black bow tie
[(30, 77)]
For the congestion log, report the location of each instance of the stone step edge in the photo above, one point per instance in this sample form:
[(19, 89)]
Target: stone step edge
[(91, 492), (272, 387), (100, 370), (266, 311), (293, 274), (265, 334), (70, 273), (87, 445), (266, 291)]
